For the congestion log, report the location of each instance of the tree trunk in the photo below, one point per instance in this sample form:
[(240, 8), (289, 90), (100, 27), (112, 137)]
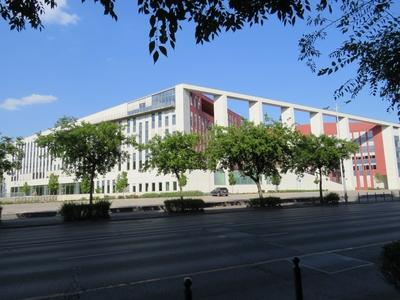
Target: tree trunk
[(321, 196), (91, 195), (260, 193)]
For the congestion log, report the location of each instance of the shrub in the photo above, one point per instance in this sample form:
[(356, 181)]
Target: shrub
[(186, 205), (172, 194), (265, 202), (81, 211), (332, 198), (390, 263)]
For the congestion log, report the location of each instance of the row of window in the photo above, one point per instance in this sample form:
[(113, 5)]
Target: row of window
[(131, 123), (108, 186)]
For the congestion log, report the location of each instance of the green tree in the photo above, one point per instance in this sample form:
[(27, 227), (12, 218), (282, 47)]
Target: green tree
[(253, 150), (85, 185), (276, 180), (320, 155), (122, 182), (174, 154), (11, 154), (53, 184), (231, 178), (25, 189), (87, 150), (379, 178), (370, 30)]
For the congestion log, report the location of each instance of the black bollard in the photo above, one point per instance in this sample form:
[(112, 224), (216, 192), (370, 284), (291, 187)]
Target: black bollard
[(359, 199), (187, 282), (297, 279)]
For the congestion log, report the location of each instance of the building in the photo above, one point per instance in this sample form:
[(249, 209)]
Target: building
[(191, 108)]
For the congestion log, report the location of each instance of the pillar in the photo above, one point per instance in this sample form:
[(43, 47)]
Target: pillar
[(389, 150), (343, 132), (316, 123), (287, 116), (256, 112), (221, 110)]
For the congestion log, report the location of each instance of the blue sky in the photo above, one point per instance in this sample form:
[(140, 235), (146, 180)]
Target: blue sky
[(83, 62)]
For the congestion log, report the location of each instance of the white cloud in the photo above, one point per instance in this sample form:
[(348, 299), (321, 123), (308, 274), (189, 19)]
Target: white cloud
[(16, 103), (59, 15)]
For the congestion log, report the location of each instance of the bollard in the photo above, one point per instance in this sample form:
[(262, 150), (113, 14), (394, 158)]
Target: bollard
[(376, 199), (359, 200), (367, 197), (297, 279), (187, 282)]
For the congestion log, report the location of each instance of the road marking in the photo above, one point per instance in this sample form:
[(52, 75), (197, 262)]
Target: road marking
[(215, 270), (95, 255)]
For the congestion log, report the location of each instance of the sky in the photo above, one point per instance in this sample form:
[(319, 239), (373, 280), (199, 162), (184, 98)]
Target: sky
[(84, 62)]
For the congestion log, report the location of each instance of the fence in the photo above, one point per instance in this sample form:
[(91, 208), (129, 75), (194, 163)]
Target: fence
[(378, 197)]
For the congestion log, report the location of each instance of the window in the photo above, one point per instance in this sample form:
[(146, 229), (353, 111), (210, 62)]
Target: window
[(128, 162), (128, 128), (160, 186), (153, 121), (167, 186), (159, 119), (146, 132), (173, 119), (146, 187), (166, 121), (113, 186), (140, 187), (108, 186), (175, 186), (140, 133), (134, 161), (142, 106), (133, 125), (140, 160), (134, 188), (166, 131), (153, 187)]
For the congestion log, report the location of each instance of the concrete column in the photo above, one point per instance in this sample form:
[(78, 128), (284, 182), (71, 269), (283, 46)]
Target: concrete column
[(221, 110), (256, 112), (182, 109), (389, 150), (316, 123), (287, 116), (343, 132)]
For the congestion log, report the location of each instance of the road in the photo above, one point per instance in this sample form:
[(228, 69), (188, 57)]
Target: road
[(237, 255)]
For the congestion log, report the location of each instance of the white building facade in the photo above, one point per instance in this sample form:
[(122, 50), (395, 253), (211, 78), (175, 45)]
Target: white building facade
[(189, 108)]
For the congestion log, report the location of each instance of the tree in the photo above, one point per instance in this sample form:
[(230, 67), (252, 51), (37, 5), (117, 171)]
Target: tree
[(379, 178), (174, 154), (87, 150), (320, 155), (122, 182), (276, 180), (253, 150), (53, 184), (11, 154), (85, 186), (25, 189)]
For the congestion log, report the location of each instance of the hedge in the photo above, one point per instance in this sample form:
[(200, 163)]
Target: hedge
[(185, 205), (265, 202), (390, 263), (81, 211), (332, 198)]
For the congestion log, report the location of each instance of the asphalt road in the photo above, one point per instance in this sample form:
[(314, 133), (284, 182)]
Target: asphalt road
[(238, 255)]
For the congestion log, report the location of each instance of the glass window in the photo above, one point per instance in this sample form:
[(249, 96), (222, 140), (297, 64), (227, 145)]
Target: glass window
[(146, 187), (140, 133), (219, 178), (160, 186), (153, 120), (146, 132), (167, 186), (175, 186), (173, 119), (140, 187), (134, 161), (134, 188), (166, 121), (153, 186), (133, 125), (159, 119)]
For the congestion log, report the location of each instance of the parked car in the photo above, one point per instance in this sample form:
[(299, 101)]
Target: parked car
[(220, 191)]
